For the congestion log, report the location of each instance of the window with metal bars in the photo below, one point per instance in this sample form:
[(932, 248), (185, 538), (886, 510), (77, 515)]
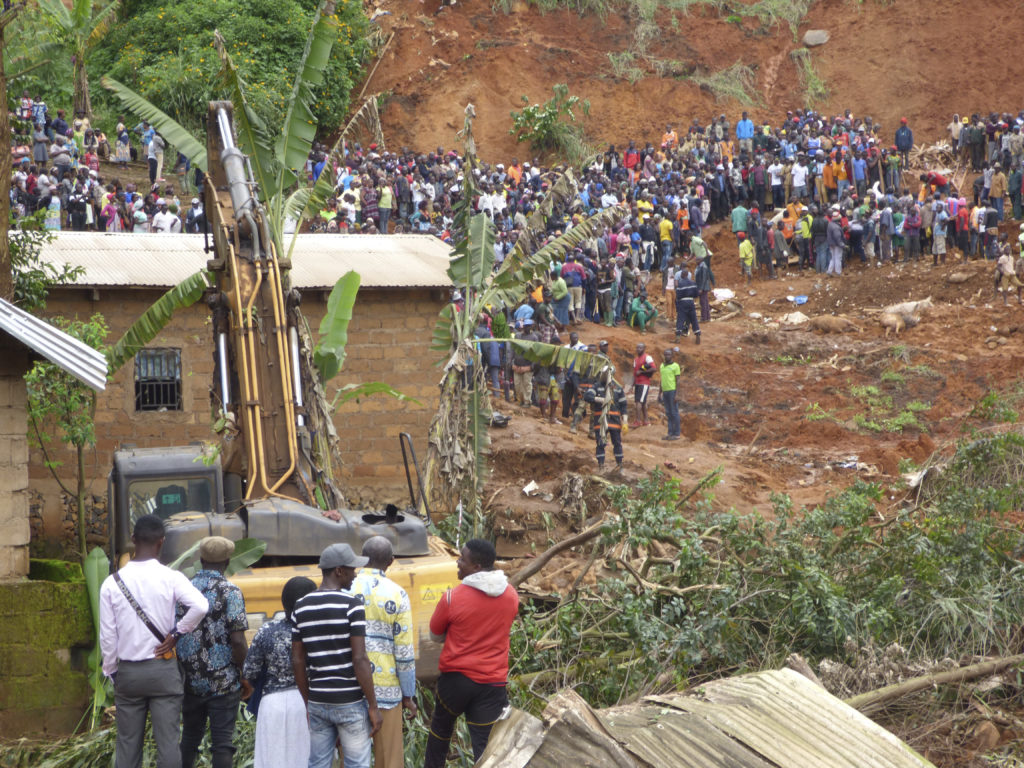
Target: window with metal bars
[(158, 380)]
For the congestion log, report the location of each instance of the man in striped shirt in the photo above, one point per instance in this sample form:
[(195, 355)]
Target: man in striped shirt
[(331, 667)]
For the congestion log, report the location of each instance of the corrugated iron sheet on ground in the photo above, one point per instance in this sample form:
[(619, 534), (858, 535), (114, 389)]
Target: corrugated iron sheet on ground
[(775, 719), (157, 260), (74, 356)]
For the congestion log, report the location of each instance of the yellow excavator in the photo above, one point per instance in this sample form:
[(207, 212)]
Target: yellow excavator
[(267, 480)]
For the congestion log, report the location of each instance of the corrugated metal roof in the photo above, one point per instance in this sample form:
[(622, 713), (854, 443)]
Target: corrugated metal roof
[(74, 356), (161, 261), (775, 719)]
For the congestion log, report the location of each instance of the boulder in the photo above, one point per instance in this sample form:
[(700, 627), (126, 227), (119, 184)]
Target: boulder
[(813, 37)]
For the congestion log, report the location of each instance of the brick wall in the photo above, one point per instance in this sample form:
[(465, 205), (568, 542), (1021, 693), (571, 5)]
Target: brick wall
[(14, 525), (389, 341)]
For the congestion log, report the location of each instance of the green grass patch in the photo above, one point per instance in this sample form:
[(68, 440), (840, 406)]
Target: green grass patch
[(735, 83), (815, 90)]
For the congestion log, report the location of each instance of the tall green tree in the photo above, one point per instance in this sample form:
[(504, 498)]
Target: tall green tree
[(77, 27), (59, 404)]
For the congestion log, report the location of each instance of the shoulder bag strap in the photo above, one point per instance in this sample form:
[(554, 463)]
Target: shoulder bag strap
[(138, 608)]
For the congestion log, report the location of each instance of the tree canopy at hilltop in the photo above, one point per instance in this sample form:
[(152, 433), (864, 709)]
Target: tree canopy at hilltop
[(165, 53)]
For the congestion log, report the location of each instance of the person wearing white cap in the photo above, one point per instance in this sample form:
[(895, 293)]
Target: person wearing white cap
[(211, 657), (332, 670), (195, 219)]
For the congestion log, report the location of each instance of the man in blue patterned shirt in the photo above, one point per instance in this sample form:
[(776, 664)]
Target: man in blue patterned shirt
[(389, 646), (212, 657)]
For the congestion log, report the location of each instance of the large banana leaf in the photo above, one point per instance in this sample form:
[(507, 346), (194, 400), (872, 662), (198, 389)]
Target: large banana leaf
[(299, 128), (101, 22), (585, 363), (96, 568), (473, 258), (253, 136), (329, 355), (168, 127), (519, 267), (144, 330), (58, 13), (442, 339), (247, 552)]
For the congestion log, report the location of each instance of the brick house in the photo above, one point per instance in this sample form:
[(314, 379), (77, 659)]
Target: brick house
[(404, 286)]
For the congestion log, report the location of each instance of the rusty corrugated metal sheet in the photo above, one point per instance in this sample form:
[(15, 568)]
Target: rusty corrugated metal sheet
[(762, 720), (779, 717), (161, 261), (74, 356)]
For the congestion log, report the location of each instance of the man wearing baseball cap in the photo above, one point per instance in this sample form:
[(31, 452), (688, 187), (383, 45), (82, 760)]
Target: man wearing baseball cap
[(212, 657), (332, 670)]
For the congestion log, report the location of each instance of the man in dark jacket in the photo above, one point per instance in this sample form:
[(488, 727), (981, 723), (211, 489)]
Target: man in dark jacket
[(904, 141), (686, 311), (704, 279)]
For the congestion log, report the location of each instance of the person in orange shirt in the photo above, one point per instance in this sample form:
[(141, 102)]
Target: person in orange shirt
[(840, 174), (829, 180), (515, 171), (670, 138)]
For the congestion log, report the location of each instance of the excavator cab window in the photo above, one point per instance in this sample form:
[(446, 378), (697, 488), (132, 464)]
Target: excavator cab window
[(167, 496)]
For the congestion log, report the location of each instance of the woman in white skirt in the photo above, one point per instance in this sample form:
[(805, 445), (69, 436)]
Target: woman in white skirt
[(282, 732)]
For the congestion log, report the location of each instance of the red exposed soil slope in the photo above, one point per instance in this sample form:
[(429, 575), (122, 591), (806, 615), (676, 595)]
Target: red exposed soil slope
[(904, 58)]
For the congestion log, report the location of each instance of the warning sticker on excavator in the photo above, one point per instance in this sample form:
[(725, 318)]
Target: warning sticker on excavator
[(431, 595)]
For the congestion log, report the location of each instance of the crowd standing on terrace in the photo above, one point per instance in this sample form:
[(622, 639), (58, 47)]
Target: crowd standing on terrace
[(810, 192)]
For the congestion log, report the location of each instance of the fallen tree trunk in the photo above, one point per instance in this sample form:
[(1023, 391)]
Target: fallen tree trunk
[(874, 699), (545, 557)]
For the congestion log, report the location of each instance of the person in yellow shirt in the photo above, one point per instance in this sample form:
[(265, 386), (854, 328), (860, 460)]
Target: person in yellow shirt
[(665, 237), (747, 253)]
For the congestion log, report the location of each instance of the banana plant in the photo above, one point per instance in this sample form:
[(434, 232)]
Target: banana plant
[(458, 442), (78, 26)]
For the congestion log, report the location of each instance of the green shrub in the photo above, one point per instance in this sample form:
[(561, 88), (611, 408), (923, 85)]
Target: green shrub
[(551, 126)]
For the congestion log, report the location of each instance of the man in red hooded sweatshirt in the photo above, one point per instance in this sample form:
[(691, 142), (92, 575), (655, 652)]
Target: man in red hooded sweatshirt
[(473, 620)]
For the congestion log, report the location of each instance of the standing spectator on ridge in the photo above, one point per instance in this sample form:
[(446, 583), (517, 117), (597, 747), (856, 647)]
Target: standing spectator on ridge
[(643, 369), (390, 649), (330, 664), (137, 608), (473, 620), (670, 373), (212, 657), (904, 141)]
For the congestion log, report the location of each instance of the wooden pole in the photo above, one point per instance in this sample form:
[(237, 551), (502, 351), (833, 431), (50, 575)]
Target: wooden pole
[(874, 699)]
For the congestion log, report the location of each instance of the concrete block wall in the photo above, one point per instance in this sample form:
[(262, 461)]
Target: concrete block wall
[(14, 476), (389, 341), (47, 631)]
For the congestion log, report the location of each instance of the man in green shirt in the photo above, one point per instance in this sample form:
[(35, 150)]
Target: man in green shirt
[(560, 298), (739, 219), (642, 312), (670, 373)]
